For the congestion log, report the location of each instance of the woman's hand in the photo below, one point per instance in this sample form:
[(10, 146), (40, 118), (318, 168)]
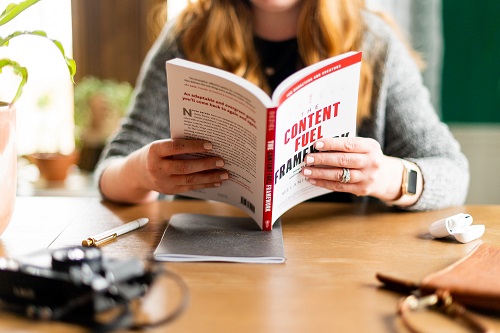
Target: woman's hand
[(371, 172), (152, 170)]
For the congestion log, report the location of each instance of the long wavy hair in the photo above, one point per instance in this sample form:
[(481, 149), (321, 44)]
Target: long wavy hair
[(219, 33)]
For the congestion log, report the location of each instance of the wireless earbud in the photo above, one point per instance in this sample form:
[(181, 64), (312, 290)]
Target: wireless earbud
[(459, 226)]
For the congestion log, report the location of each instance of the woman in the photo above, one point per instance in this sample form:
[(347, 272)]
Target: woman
[(403, 154)]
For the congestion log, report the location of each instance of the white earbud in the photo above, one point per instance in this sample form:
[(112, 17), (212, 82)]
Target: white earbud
[(460, 226)]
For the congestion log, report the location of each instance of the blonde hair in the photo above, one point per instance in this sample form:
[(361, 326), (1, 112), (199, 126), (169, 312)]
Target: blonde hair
[(338, 28)]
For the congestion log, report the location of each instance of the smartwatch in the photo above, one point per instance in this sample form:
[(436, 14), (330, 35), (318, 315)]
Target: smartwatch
[(409, 185)]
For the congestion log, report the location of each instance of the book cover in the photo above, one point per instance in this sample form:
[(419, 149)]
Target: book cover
[(263, 139), (199, 237)]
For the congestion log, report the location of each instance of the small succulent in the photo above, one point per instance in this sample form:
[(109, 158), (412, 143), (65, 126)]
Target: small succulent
[(10, 12)]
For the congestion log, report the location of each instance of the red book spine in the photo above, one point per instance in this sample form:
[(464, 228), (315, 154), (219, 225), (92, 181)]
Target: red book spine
[(267, 223)]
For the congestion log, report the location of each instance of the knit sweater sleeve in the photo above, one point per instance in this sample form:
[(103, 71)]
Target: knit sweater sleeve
[(148, 116), (412, 130)]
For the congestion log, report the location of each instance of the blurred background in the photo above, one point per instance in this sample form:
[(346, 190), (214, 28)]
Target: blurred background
[(459, 39)]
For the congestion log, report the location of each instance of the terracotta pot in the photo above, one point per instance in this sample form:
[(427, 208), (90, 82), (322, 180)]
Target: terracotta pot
[(53, 166), (8, 164)]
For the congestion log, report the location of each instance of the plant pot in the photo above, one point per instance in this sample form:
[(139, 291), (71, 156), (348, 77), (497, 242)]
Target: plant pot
[(53, 167), (8, 164)]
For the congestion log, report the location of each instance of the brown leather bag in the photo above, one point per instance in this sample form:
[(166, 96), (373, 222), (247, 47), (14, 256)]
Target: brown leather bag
[(472, 282)]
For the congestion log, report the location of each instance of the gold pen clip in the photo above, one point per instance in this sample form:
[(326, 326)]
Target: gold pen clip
[(105, 239), (97, 242)]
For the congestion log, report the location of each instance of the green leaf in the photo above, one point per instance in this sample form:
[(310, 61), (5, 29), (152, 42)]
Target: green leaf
[(70, 63), (19, 70), (5, 41), (12, 10)]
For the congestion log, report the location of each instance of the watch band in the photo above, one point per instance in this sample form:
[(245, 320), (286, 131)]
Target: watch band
[(409, 185)]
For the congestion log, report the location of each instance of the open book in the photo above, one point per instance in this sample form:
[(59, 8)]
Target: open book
[(263, 140)]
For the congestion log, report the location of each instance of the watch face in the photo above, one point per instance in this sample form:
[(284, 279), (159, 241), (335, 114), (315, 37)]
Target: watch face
[(412, 182)]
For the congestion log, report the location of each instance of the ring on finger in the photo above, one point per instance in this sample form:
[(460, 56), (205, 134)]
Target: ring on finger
[(346, 175)]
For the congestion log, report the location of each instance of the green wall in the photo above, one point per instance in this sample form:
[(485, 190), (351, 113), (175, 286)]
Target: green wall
[(471, 68)]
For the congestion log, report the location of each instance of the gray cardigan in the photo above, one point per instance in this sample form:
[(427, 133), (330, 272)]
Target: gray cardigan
[(403, 120)]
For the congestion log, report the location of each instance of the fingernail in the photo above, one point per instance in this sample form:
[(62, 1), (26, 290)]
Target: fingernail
[(224, 176), (217, 184), (307, 172), (309, 159), (208, 146), (319, 144), (219, 163), (312, 181)]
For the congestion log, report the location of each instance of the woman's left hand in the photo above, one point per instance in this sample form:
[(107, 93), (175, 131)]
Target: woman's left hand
[(371, 172)]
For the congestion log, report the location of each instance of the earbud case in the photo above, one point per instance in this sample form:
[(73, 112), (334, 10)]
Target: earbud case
[(460, 226)]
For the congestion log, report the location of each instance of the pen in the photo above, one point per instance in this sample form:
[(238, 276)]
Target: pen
[(106, 236)]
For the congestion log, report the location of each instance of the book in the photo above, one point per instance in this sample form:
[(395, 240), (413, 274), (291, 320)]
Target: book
[(200, 237), (263, 140)]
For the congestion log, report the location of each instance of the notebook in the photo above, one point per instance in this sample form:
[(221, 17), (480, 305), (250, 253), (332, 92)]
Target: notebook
[(200, 237)]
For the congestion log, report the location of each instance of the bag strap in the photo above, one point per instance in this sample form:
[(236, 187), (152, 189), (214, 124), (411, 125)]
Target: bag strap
[(443, 302), (440, 300)]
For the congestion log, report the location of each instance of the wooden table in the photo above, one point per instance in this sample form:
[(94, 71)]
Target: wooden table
[(326, 285)]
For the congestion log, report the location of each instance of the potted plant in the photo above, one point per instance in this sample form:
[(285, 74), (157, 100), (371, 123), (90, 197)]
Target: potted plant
[(53, 164), (8, 154), (99, 105)]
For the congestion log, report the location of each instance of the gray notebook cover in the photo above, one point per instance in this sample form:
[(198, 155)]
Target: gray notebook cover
[(199, 237)]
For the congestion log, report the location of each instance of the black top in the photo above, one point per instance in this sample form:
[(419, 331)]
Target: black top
[(279, 59)]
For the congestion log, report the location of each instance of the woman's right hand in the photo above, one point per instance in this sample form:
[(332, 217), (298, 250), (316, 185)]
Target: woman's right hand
[(153, 169)]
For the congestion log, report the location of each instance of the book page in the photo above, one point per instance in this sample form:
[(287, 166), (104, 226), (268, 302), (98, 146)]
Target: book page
[(319, 104), (212, 105)]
